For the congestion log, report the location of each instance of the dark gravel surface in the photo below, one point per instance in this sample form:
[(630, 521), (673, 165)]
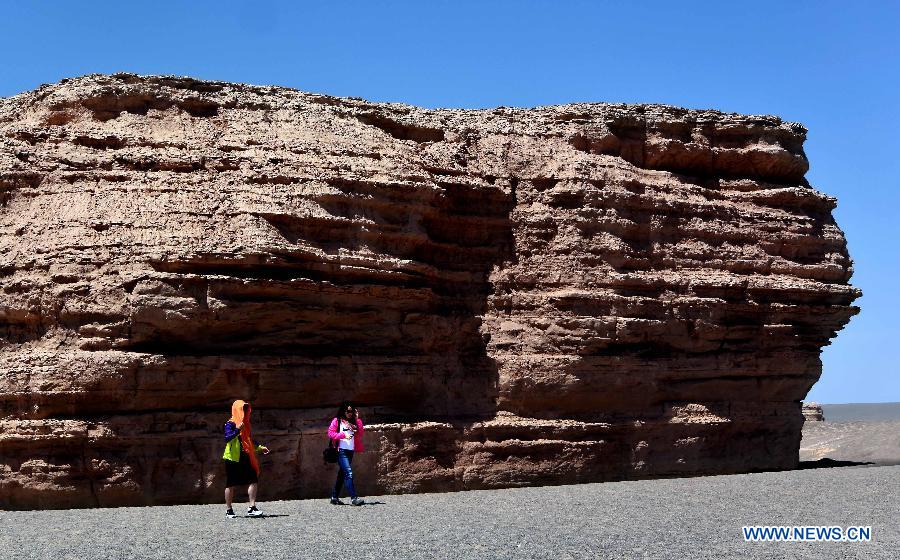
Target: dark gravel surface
[(673, 518)]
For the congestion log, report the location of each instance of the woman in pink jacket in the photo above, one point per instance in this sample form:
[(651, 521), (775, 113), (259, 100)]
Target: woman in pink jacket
[(345, 433)]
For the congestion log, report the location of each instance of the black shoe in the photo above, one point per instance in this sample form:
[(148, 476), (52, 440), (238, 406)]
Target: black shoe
[(253, 512), (336, 502), (230, 514), (357, 501)]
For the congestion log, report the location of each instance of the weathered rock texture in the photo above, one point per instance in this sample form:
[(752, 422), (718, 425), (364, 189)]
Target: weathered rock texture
[(515, 296), (812, 412)]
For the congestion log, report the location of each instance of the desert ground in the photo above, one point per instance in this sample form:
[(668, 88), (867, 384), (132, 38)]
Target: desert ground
[(867, 433), (667, 518), (697, 517)]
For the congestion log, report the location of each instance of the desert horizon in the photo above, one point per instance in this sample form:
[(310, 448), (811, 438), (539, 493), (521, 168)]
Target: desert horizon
[(859, 412)]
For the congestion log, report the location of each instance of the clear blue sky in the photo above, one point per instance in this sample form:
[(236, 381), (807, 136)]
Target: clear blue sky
[(833, 66)]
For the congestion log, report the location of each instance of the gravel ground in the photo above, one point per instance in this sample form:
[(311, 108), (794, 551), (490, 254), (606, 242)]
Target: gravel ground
[(673, 518), (877, 442)]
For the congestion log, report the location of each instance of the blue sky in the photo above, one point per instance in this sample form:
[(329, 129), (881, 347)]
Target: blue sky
[(833, 66)]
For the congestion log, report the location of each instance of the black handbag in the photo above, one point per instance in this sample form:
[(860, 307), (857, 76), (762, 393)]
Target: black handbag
[(330, 455)]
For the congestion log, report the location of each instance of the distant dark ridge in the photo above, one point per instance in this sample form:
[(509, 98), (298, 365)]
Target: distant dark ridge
[(862, 412)]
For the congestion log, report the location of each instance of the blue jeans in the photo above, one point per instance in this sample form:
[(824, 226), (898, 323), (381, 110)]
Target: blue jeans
[(344, 475)]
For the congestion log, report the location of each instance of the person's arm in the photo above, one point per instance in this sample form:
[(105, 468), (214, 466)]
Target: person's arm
[(231, 431), (359, 426), (333, 432)]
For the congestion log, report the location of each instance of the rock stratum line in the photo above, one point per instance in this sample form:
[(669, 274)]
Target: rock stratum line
[(515, 297)]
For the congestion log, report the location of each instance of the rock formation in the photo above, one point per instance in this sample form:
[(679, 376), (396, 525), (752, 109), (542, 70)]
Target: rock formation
[(812, 412), (514, 296)]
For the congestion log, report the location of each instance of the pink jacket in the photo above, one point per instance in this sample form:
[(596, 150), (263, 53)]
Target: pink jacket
[(334, 434)]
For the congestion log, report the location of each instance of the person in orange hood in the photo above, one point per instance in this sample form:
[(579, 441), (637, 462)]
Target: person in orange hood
[(241, 464)]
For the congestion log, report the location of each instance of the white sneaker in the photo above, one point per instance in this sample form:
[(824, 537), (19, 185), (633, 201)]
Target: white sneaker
[(253, 512)]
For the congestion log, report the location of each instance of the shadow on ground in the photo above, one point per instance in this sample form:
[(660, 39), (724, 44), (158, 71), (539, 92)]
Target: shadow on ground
[(827, 463)]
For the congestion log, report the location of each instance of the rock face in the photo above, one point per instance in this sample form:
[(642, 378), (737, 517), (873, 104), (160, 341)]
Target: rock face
[(812, 412), (514, 296)]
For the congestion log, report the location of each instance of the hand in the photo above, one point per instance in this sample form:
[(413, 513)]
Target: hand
[(241, 425), (264, 449)]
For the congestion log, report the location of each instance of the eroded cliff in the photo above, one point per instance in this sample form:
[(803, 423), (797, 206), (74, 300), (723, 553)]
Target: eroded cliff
[(515, 296)]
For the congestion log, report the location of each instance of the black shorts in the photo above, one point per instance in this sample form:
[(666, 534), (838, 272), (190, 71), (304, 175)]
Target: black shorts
[(240, 473)]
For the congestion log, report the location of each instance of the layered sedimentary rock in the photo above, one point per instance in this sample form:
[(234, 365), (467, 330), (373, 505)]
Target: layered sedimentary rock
[(812, 412), (514, 296)]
